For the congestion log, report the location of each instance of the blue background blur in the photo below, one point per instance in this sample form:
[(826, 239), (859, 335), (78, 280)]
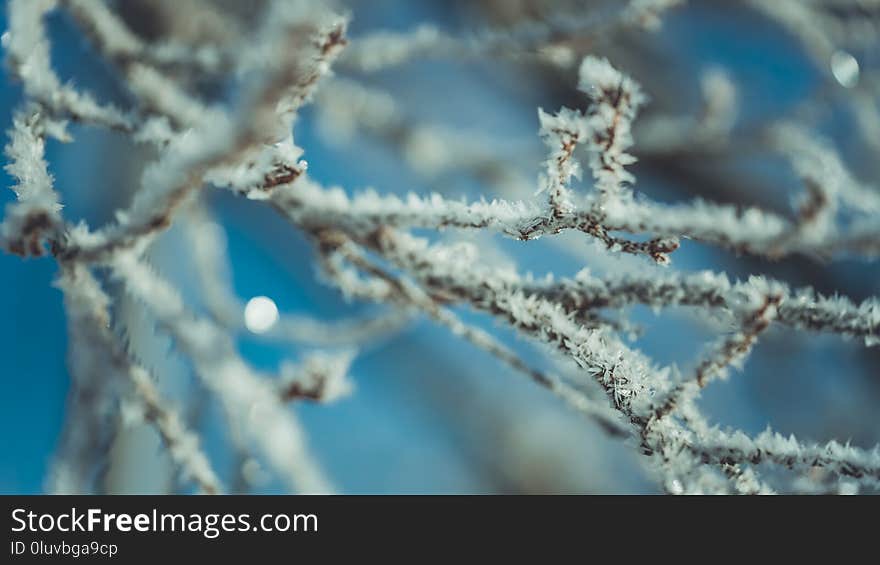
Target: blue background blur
[(430, 414)]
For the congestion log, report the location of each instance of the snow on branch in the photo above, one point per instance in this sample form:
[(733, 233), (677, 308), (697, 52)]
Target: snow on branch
[(842, 459), (220, 141), (100, 352), (639, 390), (561, 132), (537, 39), (615, 100), (27, 50), (830, 188), (118, 43), (321, 377), (731, 350), (251, 403), (35, 218), (215, 279), (372, 246), (387, 287), (801, 308), (744, 230)]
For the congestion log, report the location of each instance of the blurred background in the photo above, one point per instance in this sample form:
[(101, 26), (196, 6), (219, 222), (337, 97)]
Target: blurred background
[(431, 414)]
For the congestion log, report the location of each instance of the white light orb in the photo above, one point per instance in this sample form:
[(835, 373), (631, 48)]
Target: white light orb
[(260, 314), (845, 69)]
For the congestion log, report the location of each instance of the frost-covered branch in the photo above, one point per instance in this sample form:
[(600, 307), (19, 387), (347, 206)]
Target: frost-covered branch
[(533, 39), (251, 402), (799, 308), (615, 100), (34, 219), (631, 382), (745, 230), (118, 43), (98, 352), (841, 459), (181, 443), (221, 141), (731, 350), (320, 377), (370, 245), (389, 288), (27, 50), (215, 277)]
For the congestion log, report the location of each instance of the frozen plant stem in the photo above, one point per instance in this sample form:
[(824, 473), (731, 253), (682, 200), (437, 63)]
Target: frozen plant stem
[(367, 244)]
